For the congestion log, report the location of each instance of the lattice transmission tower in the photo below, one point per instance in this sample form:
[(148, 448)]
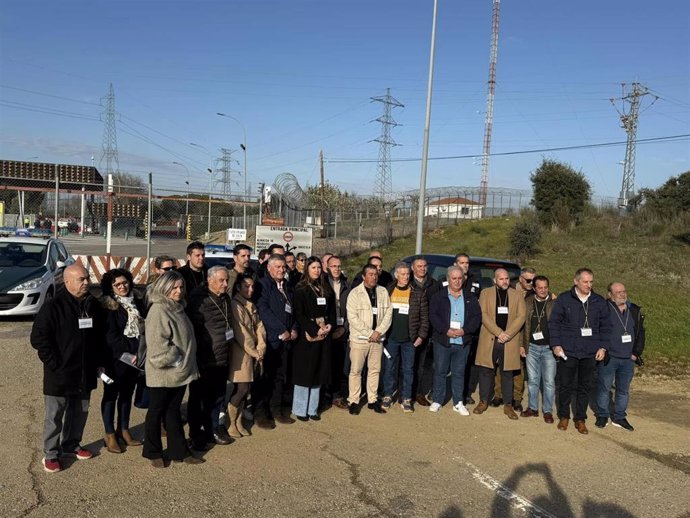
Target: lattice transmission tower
[(109, 147), (489, 121), (632, 97), (384, 179), (224, 166)]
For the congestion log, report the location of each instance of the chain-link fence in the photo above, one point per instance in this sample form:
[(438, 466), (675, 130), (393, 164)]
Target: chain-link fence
[(98, 218)]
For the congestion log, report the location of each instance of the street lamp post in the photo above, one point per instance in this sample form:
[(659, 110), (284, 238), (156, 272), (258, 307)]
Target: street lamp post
[(210, 187), (244, 149), (186, 210)]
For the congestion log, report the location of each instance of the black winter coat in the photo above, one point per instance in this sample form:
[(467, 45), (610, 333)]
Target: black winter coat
[(439, 315), (71, 356), (116, 341), (211, 317)]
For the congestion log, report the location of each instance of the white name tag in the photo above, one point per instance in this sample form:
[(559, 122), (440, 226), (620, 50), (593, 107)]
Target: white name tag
[(626, 338), (320, 301), (502, 310), (444, 283), (404, 309), (455, 325), (388, 355), (85, 323), (538, 336), (340, 321), (475, 284), (375, 311), (288, 308), (229, 334), (586, 331)]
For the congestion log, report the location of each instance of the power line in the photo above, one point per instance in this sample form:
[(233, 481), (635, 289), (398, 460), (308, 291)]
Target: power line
[(670, 138)]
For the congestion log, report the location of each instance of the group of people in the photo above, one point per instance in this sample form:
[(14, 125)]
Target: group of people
[(296, 336)]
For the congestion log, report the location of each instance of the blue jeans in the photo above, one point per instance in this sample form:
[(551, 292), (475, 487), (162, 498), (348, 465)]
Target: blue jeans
[(404, 350), (622, 370), (305, 400), (541, 368), (455, 359)]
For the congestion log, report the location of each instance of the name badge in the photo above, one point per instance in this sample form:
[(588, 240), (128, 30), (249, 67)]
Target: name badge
[(626, 338), (475, 285), (229, 334), (502, 310), (340, 321), (288, 308), (404, 309), (444, 283), (85, 323), (320, 301), (374, 311), (455, 324), (586, 331), (538, 336)]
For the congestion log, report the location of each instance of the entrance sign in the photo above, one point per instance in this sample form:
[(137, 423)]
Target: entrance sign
[(294, 239)]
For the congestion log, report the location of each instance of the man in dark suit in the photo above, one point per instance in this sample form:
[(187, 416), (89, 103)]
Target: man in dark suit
[(271, 394)]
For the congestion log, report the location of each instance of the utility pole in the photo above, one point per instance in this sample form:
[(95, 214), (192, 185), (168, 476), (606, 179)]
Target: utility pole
[(109, 148), (226, 170), (489, 121), (629, 120), (384, 180), (322, 189)]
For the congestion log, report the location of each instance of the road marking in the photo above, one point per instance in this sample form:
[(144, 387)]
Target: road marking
[(516, 501)]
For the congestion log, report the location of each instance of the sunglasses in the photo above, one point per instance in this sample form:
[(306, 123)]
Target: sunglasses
[(528, 281), (168, 268)]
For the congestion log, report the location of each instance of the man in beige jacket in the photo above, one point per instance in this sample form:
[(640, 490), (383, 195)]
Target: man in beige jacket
[(369, 315), (503, 315)]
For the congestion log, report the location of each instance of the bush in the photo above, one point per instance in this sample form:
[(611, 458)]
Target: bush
[(525, 237), (561, 194)]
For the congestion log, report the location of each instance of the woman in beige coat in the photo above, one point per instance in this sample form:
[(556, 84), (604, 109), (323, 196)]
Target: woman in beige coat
[(246, 347)]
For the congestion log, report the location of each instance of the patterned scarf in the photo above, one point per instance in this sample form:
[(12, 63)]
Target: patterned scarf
[(132, 328)]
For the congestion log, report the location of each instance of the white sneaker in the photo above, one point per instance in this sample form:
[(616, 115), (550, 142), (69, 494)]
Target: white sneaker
[(435, 407), (460, 409)]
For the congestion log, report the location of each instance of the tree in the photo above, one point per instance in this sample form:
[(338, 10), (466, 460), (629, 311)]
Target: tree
[(561, 194), (525, 237), (668, 200)]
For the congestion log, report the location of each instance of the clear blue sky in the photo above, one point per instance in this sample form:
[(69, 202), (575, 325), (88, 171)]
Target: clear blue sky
[(299, 74)]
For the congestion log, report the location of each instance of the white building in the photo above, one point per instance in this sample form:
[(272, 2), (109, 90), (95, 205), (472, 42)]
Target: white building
[(454, 208)]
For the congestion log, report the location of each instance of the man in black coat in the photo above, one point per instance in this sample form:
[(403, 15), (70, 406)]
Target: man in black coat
[(69, 335), (209, 311), (194, 272), (271, 393), (340, 357)]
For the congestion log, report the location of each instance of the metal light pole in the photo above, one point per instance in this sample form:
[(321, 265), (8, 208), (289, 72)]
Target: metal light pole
[(244, 149), (210, 187), (425, 149), (186, 210)]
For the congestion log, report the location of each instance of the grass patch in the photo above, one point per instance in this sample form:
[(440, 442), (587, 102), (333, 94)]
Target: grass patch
[(652, 265)]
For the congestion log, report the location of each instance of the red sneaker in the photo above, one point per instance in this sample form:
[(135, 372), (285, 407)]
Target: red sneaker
[(51, 465), (80, 454)]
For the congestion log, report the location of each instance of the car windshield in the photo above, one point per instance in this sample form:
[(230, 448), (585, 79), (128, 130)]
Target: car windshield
[(27, 255)]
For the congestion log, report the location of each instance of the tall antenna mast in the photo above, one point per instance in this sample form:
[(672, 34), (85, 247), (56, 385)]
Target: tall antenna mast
[(629, 121), (489, 121), (384, 180), (109, 148)]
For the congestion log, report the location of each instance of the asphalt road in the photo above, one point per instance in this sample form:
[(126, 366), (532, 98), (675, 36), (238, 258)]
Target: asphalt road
[(415, 465)]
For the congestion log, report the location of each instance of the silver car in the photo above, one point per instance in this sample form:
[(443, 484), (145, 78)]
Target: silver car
[(30, 273)]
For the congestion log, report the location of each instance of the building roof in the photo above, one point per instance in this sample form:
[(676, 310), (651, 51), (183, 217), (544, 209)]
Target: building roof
[(454, 201)]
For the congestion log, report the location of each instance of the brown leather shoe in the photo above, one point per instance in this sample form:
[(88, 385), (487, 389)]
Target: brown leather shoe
[(264, 423), (508, 410), (548, 418), (111, 444), (283, 418), (127, 438), (481, 407), (529, 413), (581, 427), (340, 403), (421, 400), (563, 423)]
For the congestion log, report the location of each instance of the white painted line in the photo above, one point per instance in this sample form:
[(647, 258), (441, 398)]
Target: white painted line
[(516, 501)]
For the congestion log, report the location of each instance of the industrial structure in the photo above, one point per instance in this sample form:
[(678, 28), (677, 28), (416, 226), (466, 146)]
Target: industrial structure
[(384, 178)]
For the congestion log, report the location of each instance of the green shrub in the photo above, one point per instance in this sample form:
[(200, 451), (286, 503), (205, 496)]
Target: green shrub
[(525, 237)]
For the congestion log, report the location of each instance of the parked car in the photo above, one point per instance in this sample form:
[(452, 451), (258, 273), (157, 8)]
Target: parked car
[(220, 255), (30, 273), (480, 267)]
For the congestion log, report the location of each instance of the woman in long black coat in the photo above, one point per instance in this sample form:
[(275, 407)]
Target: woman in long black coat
[(315, 311), (124, 329)]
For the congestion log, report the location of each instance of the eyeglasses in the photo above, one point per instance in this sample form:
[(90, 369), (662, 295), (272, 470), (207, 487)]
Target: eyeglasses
[(528, 281), (121, 284), (168, 268)]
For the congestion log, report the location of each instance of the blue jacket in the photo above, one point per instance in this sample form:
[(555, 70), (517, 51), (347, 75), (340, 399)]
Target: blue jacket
[(439, 315), (616, 347), (270, 304), (568, 318)]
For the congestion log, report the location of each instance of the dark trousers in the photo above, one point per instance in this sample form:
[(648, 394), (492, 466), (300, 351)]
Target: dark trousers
[(472, 371), (574, 377), (273, 389), (164, 406), (486, 375), (420, 384), (117, 395), (338, 387), (206, 398)]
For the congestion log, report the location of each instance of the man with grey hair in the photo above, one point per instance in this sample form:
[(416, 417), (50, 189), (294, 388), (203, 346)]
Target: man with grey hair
[(408, 330), (209, 311), (69, 335), (455, 317)]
